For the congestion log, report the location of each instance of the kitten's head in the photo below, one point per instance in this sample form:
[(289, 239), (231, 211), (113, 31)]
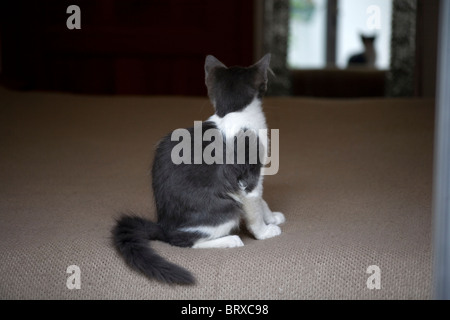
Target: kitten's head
[(232, 89), (368, 40)]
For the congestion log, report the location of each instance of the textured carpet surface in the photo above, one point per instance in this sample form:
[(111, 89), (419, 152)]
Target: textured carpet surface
[(354, 183)]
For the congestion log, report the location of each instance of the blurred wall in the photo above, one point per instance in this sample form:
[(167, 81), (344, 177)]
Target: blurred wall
[(123, 46)]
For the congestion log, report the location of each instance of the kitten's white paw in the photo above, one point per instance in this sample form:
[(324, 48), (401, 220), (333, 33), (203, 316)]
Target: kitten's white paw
[(278, 217), (274, 218), (269, 231), (234, 242), (224, 242)]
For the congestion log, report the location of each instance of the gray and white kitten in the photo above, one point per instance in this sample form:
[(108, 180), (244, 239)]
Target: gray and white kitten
[(201, 205)]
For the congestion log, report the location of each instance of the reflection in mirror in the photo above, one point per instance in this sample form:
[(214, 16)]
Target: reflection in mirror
[(364, 30), (339, 33)]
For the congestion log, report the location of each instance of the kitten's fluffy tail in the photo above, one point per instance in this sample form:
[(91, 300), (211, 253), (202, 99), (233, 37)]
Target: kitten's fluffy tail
[(131, 235)]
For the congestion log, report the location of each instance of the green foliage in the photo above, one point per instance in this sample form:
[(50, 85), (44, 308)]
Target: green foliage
[(302, 10)]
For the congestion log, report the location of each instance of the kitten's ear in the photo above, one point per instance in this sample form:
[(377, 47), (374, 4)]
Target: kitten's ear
[(263, 65), (212, 62)]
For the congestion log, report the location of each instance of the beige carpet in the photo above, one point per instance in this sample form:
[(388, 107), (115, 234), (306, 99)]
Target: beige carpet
[(354, 183)]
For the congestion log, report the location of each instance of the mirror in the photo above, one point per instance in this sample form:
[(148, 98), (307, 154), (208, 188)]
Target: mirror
[(339, 48), (342, 34)]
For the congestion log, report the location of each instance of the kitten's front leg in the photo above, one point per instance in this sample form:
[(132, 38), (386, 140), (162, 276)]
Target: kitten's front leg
[(254, 217)]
